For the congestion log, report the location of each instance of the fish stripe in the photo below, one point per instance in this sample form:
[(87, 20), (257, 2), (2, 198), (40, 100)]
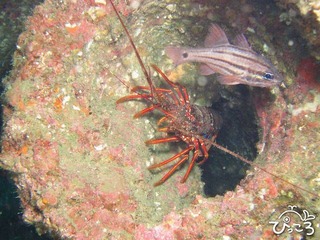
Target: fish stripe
[(226, 66), (232, 62), (248, 55), (230, 67), (222, 54)]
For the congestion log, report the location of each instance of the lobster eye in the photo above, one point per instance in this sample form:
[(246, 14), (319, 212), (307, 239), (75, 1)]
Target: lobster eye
[(268, 76)]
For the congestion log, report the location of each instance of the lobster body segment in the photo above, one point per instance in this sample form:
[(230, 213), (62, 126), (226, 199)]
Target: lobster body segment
[(197, 121)]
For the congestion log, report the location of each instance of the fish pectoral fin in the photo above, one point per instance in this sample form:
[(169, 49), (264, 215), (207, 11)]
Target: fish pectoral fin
[(216, 36), (206, 70), (230, 79), (241, 41)]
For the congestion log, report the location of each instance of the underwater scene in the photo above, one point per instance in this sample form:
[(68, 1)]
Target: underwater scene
[(169, 119)]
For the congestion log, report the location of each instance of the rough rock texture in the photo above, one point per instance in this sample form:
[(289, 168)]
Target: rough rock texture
[(305, 16), (80, 160), (12, 17)]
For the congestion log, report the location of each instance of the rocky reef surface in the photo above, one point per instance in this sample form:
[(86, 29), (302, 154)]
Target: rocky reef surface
[(79, 159), (305, 16)]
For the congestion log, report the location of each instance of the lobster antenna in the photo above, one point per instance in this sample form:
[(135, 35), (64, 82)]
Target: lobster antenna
[(145, 72), (120, 80), (256, 165)]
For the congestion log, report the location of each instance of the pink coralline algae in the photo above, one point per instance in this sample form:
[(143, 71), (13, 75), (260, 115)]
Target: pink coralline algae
[(80, 161), (308, 72)]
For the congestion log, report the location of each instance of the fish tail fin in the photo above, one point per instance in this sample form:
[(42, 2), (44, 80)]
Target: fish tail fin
[(175, 53)]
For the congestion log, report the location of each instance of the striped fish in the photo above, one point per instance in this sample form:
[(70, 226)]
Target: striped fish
[(236, 63)]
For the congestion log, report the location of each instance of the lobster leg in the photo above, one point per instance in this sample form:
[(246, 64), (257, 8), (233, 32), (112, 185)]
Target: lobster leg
[(145, 111), (172, 170), (132, 97), (205, 147), (163, 140), (184, 152), (163, 119), (139, 88), (185, 157), (158, 92), (164, 129), (141, 95), (204, 152), (182, 94), (193, 161)]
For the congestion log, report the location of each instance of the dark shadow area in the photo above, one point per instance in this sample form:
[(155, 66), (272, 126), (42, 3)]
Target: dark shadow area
[(12, 16), (239, 133), (12, 226)]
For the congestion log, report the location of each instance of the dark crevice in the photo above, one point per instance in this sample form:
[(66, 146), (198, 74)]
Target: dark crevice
[(12, 226), (239, 133)]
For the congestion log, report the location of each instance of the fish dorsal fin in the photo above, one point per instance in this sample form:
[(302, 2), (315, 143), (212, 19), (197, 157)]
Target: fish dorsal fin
[(241, 41), (216, 36)]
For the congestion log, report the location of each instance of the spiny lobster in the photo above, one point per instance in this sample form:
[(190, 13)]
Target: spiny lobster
[(185, 122), (196, 126)]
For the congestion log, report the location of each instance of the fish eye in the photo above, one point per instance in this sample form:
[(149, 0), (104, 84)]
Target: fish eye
[(268, 76), (184, 55)]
